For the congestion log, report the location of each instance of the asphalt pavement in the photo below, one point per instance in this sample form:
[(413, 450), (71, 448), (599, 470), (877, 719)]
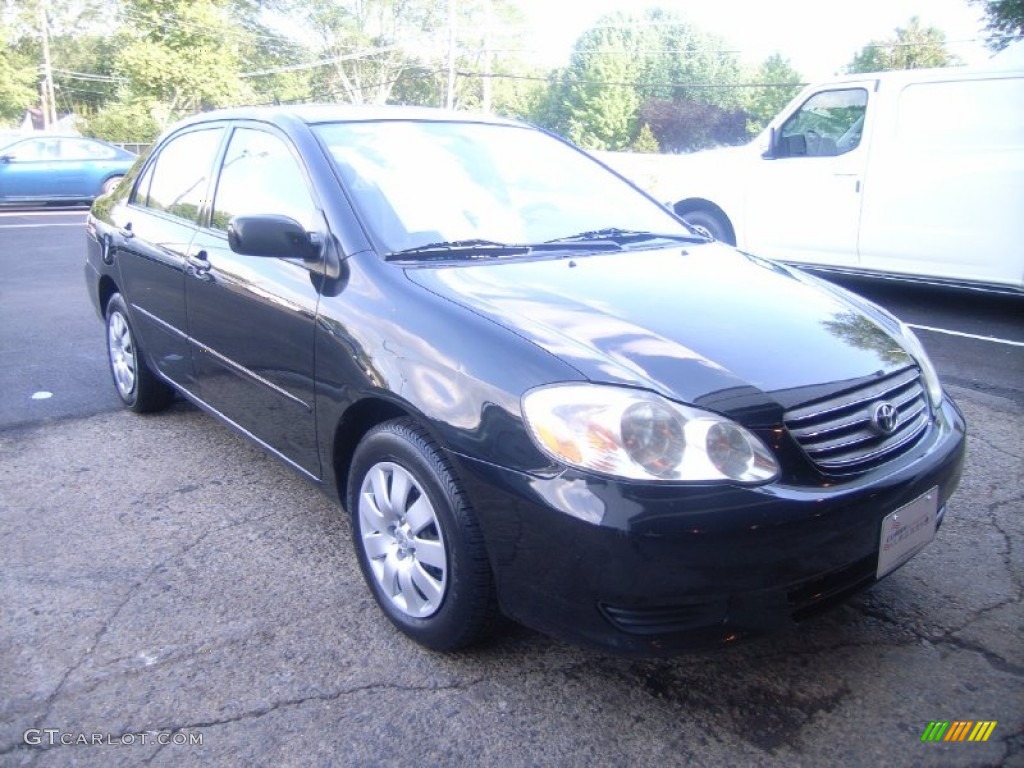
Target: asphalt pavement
[(166, 581)]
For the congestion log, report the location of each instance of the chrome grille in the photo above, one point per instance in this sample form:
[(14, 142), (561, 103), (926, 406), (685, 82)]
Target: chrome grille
[(838, 433)]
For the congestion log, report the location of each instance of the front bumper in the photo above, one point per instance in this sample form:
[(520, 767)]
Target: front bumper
[(648, 569)]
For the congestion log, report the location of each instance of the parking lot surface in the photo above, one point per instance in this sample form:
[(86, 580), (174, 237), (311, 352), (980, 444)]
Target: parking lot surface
[(165, 581)]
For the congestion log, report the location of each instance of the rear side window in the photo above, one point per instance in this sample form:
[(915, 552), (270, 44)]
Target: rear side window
[(969, 114), (177, 182), (260, 175), (828, 123)]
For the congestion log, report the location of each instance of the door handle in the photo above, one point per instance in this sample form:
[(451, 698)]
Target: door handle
[(199, 262)]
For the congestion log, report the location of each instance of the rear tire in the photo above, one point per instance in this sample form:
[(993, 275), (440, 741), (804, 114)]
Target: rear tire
[(137, 386), (419, 546), (710, 223)]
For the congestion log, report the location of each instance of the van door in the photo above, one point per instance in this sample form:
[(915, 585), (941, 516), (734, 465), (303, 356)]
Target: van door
[(945, 192), (803, 201)]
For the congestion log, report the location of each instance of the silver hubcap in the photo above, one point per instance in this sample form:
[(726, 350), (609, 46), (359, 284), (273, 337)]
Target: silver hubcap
[(122, 353), (402, 540)]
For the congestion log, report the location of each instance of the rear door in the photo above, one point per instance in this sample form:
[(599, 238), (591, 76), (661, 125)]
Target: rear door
[(253, 319), (155, 228), (946, 189)]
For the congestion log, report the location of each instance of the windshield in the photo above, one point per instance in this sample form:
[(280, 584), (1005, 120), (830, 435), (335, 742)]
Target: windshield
[(422, 183)]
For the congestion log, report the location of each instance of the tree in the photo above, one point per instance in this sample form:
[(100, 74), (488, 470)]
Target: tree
[(185, 55), (1005, 21), (913, 47), (684, 125), (17, 82), (645, 141), (367, 45), (601, 97), (779, 84)]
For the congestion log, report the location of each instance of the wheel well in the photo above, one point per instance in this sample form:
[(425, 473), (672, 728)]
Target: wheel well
[(107, 289), (697, 204), (359, 419)]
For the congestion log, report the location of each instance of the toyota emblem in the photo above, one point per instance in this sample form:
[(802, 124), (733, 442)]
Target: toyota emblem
[(885, 419)]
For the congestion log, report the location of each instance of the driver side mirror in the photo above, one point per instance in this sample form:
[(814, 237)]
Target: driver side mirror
[(272, 235), (6, 158)]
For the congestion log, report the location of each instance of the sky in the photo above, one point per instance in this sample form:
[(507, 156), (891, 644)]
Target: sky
[(819, 37)]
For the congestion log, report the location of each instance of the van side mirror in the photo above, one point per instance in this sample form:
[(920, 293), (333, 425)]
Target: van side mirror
[(272, 235)]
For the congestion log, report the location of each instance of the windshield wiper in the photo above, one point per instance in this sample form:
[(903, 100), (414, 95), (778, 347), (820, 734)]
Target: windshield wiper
[(459, 249), (624, 236)]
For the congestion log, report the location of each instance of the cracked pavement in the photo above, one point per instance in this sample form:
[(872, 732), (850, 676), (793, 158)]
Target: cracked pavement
[(161, 575)]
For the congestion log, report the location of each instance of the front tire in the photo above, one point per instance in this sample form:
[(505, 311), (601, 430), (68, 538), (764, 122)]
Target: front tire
[(418, 542), (137, 386), (709, 223), (109, 184)]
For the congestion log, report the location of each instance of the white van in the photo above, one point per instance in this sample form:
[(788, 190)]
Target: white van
[(916, 173)]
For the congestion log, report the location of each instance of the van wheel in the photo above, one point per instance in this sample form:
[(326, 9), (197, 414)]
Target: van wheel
[(709, 223), (418, 543)]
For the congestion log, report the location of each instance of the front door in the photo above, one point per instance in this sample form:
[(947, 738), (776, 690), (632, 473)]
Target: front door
[(252, 319), (804, 203)]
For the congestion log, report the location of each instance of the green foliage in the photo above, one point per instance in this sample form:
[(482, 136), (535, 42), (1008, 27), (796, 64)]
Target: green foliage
[(137, 121), (1005, 20), (187, 55), (625, 61), (645, 141), (781, 82), (17, 82), (913, 47), (684, 125)]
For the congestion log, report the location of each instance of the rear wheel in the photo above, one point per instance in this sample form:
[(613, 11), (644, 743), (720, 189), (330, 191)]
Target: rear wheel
[(418, 543), (710, 223), (136, 385)]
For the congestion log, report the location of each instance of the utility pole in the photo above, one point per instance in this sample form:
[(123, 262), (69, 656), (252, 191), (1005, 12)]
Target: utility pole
[(486, 84), (449, 101), (49, 96)]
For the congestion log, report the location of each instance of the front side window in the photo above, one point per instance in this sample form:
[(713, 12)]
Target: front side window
[(827, 124), (179, 179), (259, 176), (34, 150), (421, 182)]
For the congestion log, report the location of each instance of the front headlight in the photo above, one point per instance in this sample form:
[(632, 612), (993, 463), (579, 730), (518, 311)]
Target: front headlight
[(638, 435), (916, 349)]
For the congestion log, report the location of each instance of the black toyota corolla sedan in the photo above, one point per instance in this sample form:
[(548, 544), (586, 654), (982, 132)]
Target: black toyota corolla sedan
[(533, 388)]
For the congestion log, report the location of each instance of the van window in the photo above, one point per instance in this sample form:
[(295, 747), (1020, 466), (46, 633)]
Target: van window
[(960, 115), (828, 123)]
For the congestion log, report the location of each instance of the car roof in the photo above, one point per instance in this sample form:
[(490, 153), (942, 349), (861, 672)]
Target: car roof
[(328, 113)]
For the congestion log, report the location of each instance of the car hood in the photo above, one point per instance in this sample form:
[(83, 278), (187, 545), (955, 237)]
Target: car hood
[(704, 324)]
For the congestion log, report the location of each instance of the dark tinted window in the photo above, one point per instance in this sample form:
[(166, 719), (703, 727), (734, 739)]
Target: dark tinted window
[(260, 175), (828, 123), (180, 178)]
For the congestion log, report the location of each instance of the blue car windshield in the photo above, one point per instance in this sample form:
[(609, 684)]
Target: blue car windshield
[(416, 183)]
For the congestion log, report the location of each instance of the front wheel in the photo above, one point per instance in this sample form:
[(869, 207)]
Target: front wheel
[(418, 542), (709, 223), (109, 184), (136, 385)]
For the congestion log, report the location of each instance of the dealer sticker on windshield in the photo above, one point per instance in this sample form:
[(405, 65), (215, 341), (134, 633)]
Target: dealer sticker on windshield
[(906, 531)]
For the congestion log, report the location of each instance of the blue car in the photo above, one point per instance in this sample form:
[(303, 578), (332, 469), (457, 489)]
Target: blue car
[(60, 169)]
